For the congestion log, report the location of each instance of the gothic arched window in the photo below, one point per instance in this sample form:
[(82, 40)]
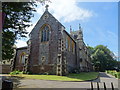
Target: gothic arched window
[(22, 57), (45, 34)]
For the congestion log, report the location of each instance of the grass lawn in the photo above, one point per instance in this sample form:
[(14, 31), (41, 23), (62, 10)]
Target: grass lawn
[(71, 77)]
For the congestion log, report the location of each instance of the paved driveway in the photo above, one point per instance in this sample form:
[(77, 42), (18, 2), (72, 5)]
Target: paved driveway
[(107, 79)]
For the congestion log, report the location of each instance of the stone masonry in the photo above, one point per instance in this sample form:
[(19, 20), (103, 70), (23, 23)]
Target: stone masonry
[(51, 49)]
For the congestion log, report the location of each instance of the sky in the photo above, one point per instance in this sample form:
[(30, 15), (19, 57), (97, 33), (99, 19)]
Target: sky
[(99, 21)]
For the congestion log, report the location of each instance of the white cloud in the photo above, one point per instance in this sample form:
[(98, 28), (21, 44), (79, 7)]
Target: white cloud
[(66, 10), (20, 43), (98, 0)]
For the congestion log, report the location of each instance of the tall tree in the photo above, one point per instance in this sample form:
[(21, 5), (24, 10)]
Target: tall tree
[(90, 49), (17, 16), (102, 58), (118, 63)]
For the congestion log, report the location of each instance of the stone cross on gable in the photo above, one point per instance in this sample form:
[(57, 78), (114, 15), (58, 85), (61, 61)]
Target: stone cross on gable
[(46, 7)]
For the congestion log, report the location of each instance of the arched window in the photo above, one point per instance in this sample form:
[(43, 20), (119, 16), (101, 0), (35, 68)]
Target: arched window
[(22, 58), (45, 34)]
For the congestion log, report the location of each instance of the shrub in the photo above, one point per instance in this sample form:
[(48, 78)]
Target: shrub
[(46, 73), (107, 71), (16, 72), (119, 75), (114, 73), (27, 73)]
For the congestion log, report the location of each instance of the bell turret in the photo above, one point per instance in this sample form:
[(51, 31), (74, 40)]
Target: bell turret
[(80, 34)]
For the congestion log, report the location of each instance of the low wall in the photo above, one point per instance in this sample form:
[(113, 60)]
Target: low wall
[(5, 69)]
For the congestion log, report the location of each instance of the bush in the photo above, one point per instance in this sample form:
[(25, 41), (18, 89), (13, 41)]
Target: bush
[(46, 73), (27, 73), (114, 73), (119, 75), (16, 72)]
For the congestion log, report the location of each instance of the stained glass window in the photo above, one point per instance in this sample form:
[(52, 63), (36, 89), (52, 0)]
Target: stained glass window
[(45, 34), (22, 57)]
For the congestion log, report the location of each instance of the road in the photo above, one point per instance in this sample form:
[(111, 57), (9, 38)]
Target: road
[(107, 79)]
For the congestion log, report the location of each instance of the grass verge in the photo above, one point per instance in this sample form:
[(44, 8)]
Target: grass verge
[(114, 73), (83, 76)]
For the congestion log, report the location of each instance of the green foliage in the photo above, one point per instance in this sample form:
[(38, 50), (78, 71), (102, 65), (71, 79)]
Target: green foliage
[(46, 73), (16, 72), (90, 49), (8, 40), (19, 72), (17, 19), (118, 64), (114, 73), (119, 75), (102, 58), (71, 77), (27, 72), (17, 16)]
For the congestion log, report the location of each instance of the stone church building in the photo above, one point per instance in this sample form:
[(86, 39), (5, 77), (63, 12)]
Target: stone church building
[(51, 49)]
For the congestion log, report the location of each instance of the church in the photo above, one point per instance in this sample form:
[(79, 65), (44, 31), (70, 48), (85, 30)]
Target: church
[(51, 49)]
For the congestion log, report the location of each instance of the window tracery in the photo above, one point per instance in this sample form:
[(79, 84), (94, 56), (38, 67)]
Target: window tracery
[(45, 34)]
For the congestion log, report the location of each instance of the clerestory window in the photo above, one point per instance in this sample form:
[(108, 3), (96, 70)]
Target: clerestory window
[(45, 34), (73, 47)]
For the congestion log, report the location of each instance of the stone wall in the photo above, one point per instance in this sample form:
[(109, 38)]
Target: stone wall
[(17, 64), (49, 49), (70, 56), (83, 58), (5, 66), (5, 69), (53, 56)]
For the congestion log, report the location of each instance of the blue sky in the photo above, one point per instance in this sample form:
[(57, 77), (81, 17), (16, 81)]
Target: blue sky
[(102, 28), (99, 20)]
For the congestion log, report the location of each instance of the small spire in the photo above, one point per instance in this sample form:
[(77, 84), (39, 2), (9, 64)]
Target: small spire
[(79, 26), (46, 7), (70, 28)]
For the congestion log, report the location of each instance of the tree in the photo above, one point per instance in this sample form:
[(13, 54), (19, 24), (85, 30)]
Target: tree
[(8, 42), (118, 63), (90, 49), (17, 16), (102, 58)]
